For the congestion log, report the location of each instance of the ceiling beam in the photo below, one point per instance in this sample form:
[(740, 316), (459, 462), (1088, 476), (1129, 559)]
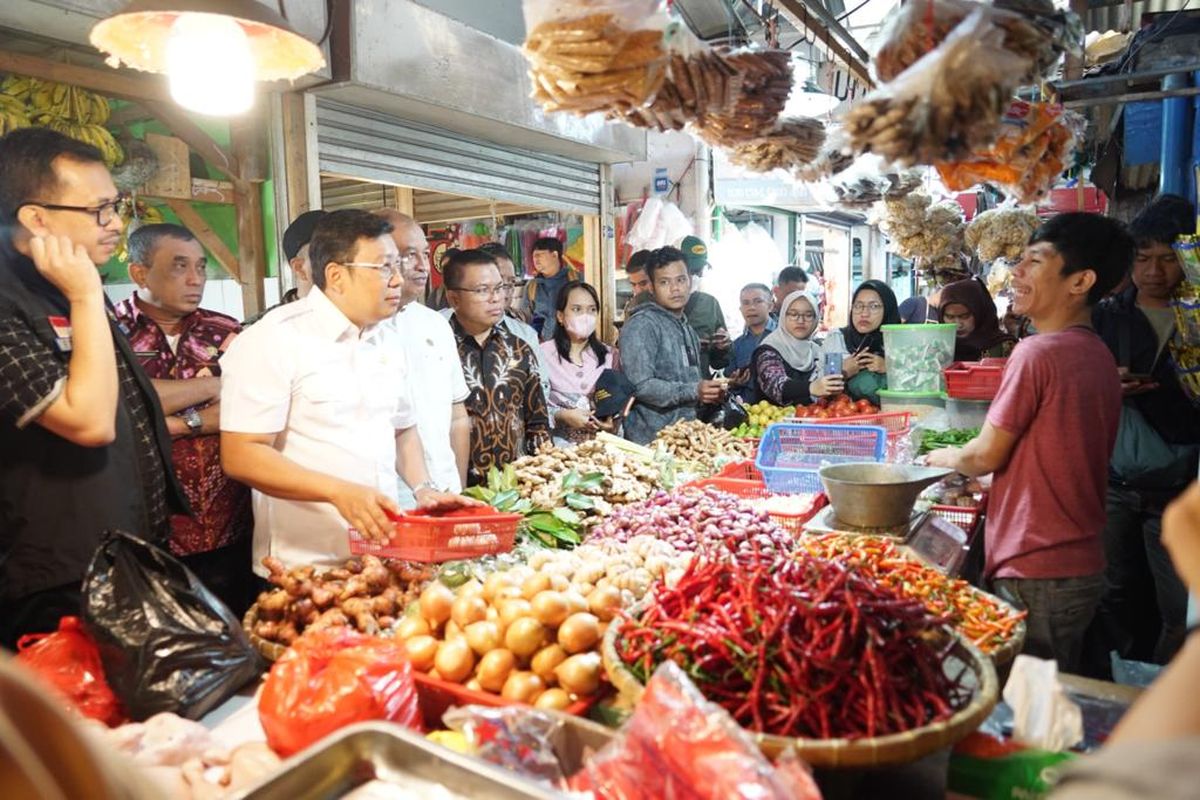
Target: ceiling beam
[(108, 82), (803, 15)]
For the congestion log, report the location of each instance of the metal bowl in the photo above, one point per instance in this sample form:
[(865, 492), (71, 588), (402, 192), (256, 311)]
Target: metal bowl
[(870, 495)]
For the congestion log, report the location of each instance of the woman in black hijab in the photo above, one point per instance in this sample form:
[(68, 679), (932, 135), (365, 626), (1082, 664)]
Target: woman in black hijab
[(861, 342)]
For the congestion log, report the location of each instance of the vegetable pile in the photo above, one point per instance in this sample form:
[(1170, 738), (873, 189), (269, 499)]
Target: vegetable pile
[(957, 490), (701, 444), (799, 647), (364, 593), (761, 414), (953, 437), (986, 621), (702, 521), (836, 408)]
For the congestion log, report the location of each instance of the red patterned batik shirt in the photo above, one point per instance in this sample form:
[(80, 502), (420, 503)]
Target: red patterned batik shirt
[(221, 505)]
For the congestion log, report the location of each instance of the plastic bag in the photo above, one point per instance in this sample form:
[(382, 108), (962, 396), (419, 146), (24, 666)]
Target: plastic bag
[(518, 738), (167, 643), (595, 56), (332, 678), (69, 661), (679, 745), (944, 106), (1036, 31)]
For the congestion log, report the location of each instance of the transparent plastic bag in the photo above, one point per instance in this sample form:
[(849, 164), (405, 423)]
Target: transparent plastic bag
[(516, 738), (679, 745), (946, 105)]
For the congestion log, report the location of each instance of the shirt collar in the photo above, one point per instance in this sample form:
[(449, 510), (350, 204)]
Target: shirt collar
[(463, 336), (140, 318), (330, 320)]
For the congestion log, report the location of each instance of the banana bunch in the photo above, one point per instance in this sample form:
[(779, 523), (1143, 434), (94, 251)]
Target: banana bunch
[(62, 101), (12, 114), (95, 135), (140, 213)]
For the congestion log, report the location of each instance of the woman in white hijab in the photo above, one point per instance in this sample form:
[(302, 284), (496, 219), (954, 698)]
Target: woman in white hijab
[(786, 367)]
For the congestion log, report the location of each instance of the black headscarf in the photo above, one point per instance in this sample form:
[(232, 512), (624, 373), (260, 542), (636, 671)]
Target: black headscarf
[(872, 342)]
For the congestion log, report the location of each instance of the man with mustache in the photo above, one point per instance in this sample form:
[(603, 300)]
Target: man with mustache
[(85, 446)]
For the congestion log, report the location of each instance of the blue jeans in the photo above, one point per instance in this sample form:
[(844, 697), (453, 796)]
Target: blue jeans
[(1060, 610)]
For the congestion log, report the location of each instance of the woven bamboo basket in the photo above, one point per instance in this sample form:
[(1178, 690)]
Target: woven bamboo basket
[(269, 650), (880, 751)]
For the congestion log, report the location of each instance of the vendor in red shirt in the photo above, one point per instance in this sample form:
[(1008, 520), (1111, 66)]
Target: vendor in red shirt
[(1049, 435), (178, 345)]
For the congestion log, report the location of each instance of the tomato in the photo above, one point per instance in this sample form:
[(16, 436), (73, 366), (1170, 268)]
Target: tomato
[(864, 407), (802, 412), (822, 413), (822, 403)]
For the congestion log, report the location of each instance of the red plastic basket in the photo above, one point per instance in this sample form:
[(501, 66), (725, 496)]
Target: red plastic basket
[(965, 517), (975, 380), (896, 423), (793, 522), (443, 536), (437, 696), (740, 470)]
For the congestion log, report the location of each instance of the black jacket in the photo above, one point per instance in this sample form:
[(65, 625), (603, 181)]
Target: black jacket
[(1131, 338), (58, 498)]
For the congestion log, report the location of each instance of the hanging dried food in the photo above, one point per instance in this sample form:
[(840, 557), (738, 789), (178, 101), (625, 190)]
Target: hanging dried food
[(793, 142), (946, 105), (920, 228), (695, 85), (766, 81), (1001, 233)]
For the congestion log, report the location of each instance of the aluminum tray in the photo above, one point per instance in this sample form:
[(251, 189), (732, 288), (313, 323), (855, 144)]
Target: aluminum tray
[(370, 750)]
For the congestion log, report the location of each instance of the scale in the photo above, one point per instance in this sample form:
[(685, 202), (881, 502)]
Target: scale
[(939, 542)]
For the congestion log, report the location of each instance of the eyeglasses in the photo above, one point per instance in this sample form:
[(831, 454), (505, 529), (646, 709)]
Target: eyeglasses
[(388, 270), (485, 292), (409, 259), (873, 308), (104, 213), (800, 316)]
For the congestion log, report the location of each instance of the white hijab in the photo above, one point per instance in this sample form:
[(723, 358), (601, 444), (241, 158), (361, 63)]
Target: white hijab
[(800, 354)]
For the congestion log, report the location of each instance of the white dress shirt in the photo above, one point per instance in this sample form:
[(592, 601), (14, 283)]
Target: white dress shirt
[(431, 352), (336, 396)]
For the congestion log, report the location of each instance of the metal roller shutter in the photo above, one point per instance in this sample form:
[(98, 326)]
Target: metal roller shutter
[(370, 146)]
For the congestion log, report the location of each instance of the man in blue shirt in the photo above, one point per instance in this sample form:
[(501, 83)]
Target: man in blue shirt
[(756, 304)]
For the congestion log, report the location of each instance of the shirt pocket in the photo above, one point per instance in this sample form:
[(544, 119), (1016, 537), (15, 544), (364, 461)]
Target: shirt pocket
[(330, 389)]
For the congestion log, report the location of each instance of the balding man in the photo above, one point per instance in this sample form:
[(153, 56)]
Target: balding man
[(431, 354)]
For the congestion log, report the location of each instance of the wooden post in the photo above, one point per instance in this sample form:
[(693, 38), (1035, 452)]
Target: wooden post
[(605, 264), (294, 167), (404, 200), (249, 145)]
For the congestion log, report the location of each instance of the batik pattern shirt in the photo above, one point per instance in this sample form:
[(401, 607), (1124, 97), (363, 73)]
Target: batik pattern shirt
[(506, 404), (221, 505)]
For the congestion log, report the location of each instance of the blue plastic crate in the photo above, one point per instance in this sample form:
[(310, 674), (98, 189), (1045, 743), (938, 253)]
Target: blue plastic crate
[(791, 453)]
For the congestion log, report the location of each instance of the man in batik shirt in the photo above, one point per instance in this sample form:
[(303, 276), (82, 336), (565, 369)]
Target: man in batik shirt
[(506, 405), (178, 345)]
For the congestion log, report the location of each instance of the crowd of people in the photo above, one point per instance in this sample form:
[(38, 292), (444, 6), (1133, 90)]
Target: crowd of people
[(364, 393)]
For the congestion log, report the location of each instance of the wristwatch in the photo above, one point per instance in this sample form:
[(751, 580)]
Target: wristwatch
[(194, 423), (428, 484)]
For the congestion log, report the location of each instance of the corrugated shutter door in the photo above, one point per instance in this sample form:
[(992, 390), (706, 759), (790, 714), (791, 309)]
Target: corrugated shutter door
[(363, 144)]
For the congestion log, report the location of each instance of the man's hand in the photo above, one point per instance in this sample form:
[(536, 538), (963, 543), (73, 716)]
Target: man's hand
[(739, 377), (1132, 386), (1181, 535), (872, 362), (573, 418), (945, 457), (67, 266), (720, 340), (433, 500), (365, 509), (710, 392)]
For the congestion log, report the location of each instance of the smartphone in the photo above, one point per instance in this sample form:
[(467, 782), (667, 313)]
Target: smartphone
[(833, 364)]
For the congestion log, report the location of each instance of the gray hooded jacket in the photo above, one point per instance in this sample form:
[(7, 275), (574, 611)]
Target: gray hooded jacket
[(660, 355)]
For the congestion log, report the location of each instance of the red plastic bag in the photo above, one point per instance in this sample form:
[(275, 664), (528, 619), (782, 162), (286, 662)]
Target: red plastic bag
[(69, 660), (679, 745), (332, 678)]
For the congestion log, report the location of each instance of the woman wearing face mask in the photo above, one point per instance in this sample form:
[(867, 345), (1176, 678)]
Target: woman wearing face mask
[(576, 357), (785, 368), (968, 305), (861, 342)]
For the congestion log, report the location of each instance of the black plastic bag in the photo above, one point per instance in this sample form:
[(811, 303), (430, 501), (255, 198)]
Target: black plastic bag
[(727, 414), (167, 643)]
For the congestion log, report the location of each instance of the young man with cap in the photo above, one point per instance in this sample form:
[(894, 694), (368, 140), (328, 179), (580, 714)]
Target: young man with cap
[(84, 445), (551, 275), (316, 412), (295, 249), (703, 312), (431, 356)]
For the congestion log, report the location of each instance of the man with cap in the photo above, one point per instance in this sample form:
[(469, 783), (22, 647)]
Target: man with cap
[(703, 312), (295, 249)]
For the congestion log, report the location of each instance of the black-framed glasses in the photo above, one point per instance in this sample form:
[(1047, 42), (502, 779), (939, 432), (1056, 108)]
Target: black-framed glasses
[(388, 270), (484, 292), (104, 213)]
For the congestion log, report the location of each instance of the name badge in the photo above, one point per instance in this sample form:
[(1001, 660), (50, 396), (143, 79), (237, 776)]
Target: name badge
[(62, 333)]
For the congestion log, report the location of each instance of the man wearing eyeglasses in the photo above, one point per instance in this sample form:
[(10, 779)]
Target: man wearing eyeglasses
[(431, 354), (756, 304), (84, 445), (316, 414), (507, 405)]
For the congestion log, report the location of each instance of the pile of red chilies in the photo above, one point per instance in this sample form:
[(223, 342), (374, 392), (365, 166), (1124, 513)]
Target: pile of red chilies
[(799, 647)]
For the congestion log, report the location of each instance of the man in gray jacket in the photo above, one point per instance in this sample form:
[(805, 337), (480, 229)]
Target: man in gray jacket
[(660, 354)]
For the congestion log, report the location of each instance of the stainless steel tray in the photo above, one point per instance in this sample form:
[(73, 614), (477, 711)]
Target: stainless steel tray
[(370, 750)]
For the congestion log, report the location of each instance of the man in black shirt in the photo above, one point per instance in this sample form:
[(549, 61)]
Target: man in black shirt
[(84, 443)]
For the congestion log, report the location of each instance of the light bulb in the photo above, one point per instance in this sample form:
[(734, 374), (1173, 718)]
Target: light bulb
[(209, 66)]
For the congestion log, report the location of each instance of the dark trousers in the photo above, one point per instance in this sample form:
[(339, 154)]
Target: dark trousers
[(38, 612), (1059, 612), (1143, 614), (227, 574)]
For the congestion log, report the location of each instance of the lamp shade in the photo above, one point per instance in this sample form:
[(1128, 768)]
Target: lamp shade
[(137, 37)]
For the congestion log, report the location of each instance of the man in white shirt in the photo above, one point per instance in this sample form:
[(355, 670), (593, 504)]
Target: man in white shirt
[(315, 412), (438, 386)]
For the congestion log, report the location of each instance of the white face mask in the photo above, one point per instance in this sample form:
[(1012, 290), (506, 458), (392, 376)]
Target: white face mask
[(581, 326)]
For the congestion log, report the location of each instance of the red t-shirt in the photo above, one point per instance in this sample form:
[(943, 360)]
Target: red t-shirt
[(1061, 398)]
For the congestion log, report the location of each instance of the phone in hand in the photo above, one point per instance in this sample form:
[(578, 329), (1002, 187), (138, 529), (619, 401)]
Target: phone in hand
[(833, 364)]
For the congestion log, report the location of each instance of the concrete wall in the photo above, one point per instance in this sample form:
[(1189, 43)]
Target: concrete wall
[(686, 161)]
